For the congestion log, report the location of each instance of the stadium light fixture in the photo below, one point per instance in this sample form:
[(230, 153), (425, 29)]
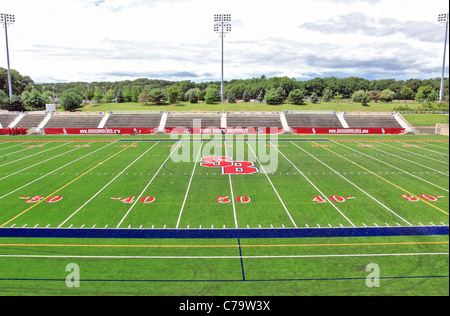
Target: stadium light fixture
[(222, 25), (443, 19), (7, 19)]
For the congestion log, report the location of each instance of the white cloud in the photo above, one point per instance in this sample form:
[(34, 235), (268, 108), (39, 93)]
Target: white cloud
[(91, 40)]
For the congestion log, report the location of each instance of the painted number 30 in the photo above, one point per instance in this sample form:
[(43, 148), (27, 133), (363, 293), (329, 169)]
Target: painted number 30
[(226, 199)]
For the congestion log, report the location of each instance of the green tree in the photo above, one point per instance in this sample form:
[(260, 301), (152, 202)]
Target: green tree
[(119, 96), (15, 104), (297, 96), (327, 95), (231, 97), (407, 93), (109, 95), (127, 95), (314, 98), (420, 96), (157, 95), (261, 96), (192, 95), (387, 95), (274, 96), (173, 94), (98, 95), (210, 96), (361, 96), (89, 94), (33, 100), (144, 96), (71, 101), (4, 100), (246, 96)]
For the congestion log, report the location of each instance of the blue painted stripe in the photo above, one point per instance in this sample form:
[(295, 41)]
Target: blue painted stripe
[(223, 233)]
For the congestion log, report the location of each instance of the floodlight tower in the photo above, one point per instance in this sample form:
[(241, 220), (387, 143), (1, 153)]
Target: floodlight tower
[(7, 19), (222, 25), (443, 19)]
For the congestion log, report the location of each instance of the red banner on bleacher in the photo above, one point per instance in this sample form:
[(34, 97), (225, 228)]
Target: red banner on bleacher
[(100, 131), (347, 131)]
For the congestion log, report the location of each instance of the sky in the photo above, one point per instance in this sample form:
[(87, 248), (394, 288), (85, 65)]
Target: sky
[(113, 40)]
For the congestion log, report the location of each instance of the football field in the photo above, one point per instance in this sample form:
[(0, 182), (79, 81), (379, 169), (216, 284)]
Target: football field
[(58, 198)]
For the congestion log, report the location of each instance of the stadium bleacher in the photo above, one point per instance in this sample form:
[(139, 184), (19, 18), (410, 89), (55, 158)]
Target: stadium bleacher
[(187, 120), (6, 119), (254, 120), (313, 120), (133, 120), (31, 120), (368, 121), (74, 121)]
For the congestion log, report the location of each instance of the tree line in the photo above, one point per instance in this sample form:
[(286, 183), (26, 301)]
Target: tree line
[(276, 90)]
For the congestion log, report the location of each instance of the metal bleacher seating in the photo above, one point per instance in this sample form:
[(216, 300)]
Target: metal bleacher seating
[(133, 120), (6, 119), (31, 120), (187, 120), (74, 121), (368, 121), (254, 120), (313, 120)]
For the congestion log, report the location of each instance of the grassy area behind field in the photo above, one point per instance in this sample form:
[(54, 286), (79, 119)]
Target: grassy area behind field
[(247, 106)]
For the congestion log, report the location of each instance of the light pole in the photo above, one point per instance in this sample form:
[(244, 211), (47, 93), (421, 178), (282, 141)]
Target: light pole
[(443, 19), (222, 25), (7, 19)]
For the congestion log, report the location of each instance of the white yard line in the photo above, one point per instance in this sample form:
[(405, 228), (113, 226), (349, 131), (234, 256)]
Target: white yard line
[(411, 161), (431, 144), (36, 164), (16, 152), (231, 189), (148, 184), (433, 151), (273, 187), (229, 257), (101, 190), (318, 190), (387, 208), (41, 152), (189, 185), (413, 153), (1, 197), (12, 146), (383, 162)]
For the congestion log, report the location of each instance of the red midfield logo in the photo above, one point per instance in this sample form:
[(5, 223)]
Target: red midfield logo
[(229, 166)]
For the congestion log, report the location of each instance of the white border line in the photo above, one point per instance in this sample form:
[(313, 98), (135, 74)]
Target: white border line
[(230, 257), (101, 190), (273, 187)]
